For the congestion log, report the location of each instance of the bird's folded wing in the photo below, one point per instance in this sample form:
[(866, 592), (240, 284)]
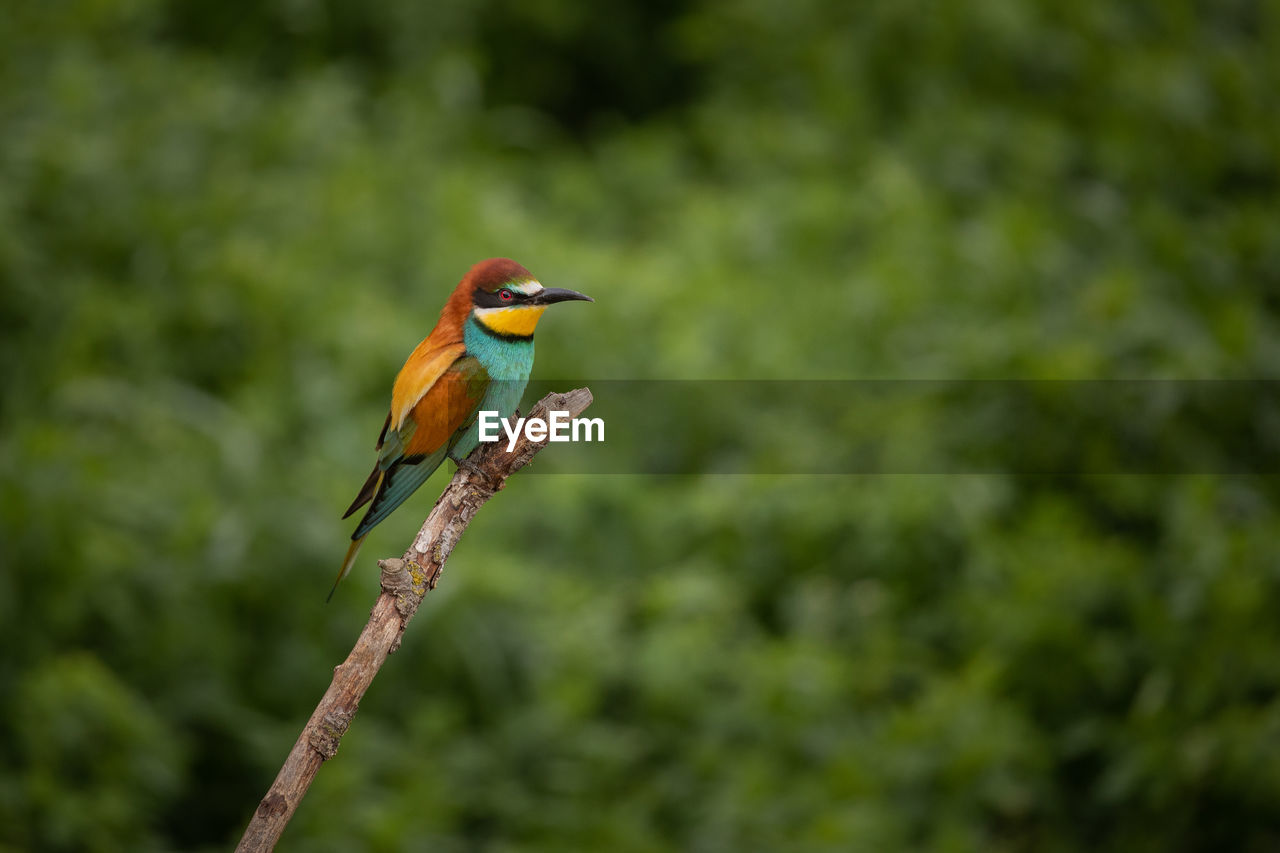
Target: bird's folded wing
[(423, 438), (426, 364), (447, 406)]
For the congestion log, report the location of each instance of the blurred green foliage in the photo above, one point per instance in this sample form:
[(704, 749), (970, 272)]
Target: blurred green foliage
[(223, 226)]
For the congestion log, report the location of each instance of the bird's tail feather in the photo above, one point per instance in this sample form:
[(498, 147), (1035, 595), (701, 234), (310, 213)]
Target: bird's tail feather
[(402, 480), (347, 563), (367, 491)]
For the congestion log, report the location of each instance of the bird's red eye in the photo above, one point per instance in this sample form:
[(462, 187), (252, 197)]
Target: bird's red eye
[(504, 295)]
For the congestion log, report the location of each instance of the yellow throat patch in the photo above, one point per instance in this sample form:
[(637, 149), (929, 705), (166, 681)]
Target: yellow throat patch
[(519, 321)]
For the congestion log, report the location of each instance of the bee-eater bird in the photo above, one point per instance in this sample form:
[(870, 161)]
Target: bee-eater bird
[(478, 357)]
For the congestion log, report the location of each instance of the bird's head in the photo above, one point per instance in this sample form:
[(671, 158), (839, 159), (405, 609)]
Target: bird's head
[(507, 300)]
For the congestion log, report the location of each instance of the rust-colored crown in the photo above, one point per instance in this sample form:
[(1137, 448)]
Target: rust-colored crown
[(491, 274)]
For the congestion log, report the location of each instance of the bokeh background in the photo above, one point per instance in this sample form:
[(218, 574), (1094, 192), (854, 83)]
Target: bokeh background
[(224, 225)]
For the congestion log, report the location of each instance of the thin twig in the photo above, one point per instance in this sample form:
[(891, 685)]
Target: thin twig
[(404, 582)]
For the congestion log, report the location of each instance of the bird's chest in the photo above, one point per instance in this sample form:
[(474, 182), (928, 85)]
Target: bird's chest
[(503, 360), (508, 364)]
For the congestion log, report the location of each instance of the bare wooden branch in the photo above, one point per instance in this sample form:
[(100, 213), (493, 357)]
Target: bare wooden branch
[(404, 582)]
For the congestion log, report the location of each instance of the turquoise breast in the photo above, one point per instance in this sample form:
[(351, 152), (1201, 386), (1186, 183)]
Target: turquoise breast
[(508, 363)]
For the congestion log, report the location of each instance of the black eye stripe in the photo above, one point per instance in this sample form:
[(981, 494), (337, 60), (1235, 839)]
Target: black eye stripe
[(493, 299)]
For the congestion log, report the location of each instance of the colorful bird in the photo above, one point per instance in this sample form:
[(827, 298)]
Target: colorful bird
[(478, 357)]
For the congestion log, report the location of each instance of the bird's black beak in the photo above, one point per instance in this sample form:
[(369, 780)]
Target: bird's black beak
[(551, 295)]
